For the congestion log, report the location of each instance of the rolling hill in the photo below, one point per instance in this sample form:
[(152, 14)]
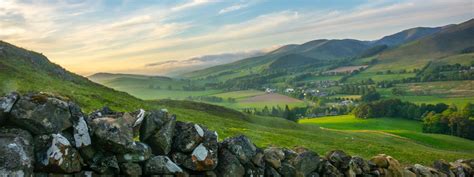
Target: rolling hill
[(449, 41), (407, 36), (408, 49)]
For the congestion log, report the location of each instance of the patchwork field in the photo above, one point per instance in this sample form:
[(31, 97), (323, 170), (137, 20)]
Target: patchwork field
[(365, 75), (448, 92), (270, 97), (258, 99)]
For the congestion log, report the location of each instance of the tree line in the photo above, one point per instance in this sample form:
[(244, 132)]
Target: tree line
[(437, 118)]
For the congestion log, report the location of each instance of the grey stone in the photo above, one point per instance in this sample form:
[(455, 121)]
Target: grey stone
[(306, 161), (59, 156), (157, 130), (139, 152), (273, 156), (105, 164), (130, 169), (287, 169), (229, 165), (339, 159), (6, 105), (271, 172), (160, 165), (112, 134), (187, 136), (443, 167), (203, 157), (241, 147), (16, 149), (81, 129), (41, 114), (359, 166)]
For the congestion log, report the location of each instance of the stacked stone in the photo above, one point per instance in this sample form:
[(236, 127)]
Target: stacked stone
[(47, 135)]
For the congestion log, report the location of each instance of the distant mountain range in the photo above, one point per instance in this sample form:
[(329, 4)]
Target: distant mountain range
[(413, 47)]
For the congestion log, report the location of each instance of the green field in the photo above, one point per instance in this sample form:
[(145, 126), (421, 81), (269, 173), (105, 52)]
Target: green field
[(448, 92), (365, 75), (242, 102), (397, 127)]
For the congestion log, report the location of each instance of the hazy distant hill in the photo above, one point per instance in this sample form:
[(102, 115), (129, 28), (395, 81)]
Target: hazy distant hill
[(413, 47), (407, 36), (449, 41)]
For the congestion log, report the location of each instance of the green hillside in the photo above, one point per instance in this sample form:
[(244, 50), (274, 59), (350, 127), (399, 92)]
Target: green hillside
[(449, 41)]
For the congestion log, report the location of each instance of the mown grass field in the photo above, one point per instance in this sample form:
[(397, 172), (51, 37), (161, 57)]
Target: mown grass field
[(401, 128)]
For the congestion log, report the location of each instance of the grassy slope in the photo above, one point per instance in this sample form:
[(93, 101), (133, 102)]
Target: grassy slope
[(139, 86), (416, 54), (398, 127)]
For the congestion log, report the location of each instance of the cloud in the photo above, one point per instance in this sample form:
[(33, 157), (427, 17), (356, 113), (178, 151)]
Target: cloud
[(84, 39), (175, 67), (233, 8), (190, 4)]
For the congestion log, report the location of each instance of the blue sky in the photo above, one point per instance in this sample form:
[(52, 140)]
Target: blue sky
[(88, 36)]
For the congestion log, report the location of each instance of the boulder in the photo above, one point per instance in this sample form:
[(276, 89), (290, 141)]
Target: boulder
[(339, 159), (270, 171), (203, 157), (16, 149), (229, 165), (388, 165), (6, 105), (380, 161), (359, 166), (241, 147), (104, 163), (287, 169), (59, 157), (273, 156), (81, 129), (139, 152), (421, 170), (187, 136), (306, 162), (130, 169), (157, 130), (112, 133), (41, 114), (161, 165), (408, 173), (462, 168), (443, 167), (259, 158), (328, 170)]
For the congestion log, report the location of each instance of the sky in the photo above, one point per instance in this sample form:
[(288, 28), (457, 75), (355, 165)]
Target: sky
[(128, 36)]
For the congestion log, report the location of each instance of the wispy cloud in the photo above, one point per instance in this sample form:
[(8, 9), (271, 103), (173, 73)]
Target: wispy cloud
[(190, 4), (233, 8)]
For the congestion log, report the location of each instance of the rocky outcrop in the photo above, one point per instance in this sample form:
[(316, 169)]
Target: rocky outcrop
[(48, 135)]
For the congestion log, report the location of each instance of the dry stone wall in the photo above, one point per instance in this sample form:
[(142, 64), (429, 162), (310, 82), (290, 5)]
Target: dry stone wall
[(45, 135)]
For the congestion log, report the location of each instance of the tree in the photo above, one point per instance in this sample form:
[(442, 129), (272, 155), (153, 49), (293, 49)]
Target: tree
[(265, 111), (371, 96), (364, 111)]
